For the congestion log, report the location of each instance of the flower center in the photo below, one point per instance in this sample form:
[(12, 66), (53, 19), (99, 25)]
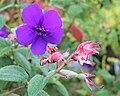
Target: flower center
[(40, 30)]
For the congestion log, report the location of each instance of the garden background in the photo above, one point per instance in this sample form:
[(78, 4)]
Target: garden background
[(83, 20)]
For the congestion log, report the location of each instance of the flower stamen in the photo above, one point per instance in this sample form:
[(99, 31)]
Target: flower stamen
[(40, 30)]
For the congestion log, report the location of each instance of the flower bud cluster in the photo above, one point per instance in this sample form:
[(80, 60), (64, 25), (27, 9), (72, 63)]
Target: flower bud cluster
[(82, 55)]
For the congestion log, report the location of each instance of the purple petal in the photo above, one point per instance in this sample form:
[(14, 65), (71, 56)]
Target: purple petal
[(88, 67), (32, 14), (52, 19), (25, 35), (54, 35), (3, 32), (38, 46)]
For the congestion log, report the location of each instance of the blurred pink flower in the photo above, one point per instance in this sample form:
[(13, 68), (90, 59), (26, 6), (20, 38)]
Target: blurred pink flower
[(55, 56), (90, 82), (81, 59), (12, 36), (88, 48), (52, 50), (84, 51)]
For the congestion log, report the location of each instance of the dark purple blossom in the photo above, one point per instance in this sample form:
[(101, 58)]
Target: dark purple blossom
[(39, 28), (3, 32), (88, 67)]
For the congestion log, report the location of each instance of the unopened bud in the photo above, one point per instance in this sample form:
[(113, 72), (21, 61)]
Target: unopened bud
[(81, 76)]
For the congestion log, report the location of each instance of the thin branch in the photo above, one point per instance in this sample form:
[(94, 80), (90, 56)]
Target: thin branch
[(7, 27), (19, 10), (6, 7), (68, 29), (61, 67), (14, 90), (56, 71), (9, 6)]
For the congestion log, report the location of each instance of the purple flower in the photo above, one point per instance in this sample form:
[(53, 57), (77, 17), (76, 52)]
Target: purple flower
[(88, 67), (3, 32), (39, 29)]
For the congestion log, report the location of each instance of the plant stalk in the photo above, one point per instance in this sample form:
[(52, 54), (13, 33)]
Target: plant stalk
[(14, 90)]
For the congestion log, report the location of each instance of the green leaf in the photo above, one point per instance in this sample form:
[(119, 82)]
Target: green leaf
[(106, 75), (13, 73), (103, 93), (85, 87), (36, 84), (22, 61), (61, 88), (3, 84), (82, 92), (23, 51), (43, 93), (5, 61), (3, 43), (13, 30), (3, 92), (13, 94), (116, 87), (2, 20), (44, 69), (4, 47), (118, 93), (67, 2), (74, 10), (4, 51), (23, 5)]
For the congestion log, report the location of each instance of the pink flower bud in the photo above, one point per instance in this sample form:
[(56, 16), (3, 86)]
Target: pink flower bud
[(88, 48), (66, 53), (12, 36), (90, 82), (52, 50), (44, 60), (56, 56)]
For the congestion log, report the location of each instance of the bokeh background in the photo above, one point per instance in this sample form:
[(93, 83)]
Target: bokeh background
[(83, 20)]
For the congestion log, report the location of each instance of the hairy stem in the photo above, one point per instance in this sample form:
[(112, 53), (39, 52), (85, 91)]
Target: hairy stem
[(6, 7), (14, 90), (61, 67), (8, 27), (9, 6), (57, 70)]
